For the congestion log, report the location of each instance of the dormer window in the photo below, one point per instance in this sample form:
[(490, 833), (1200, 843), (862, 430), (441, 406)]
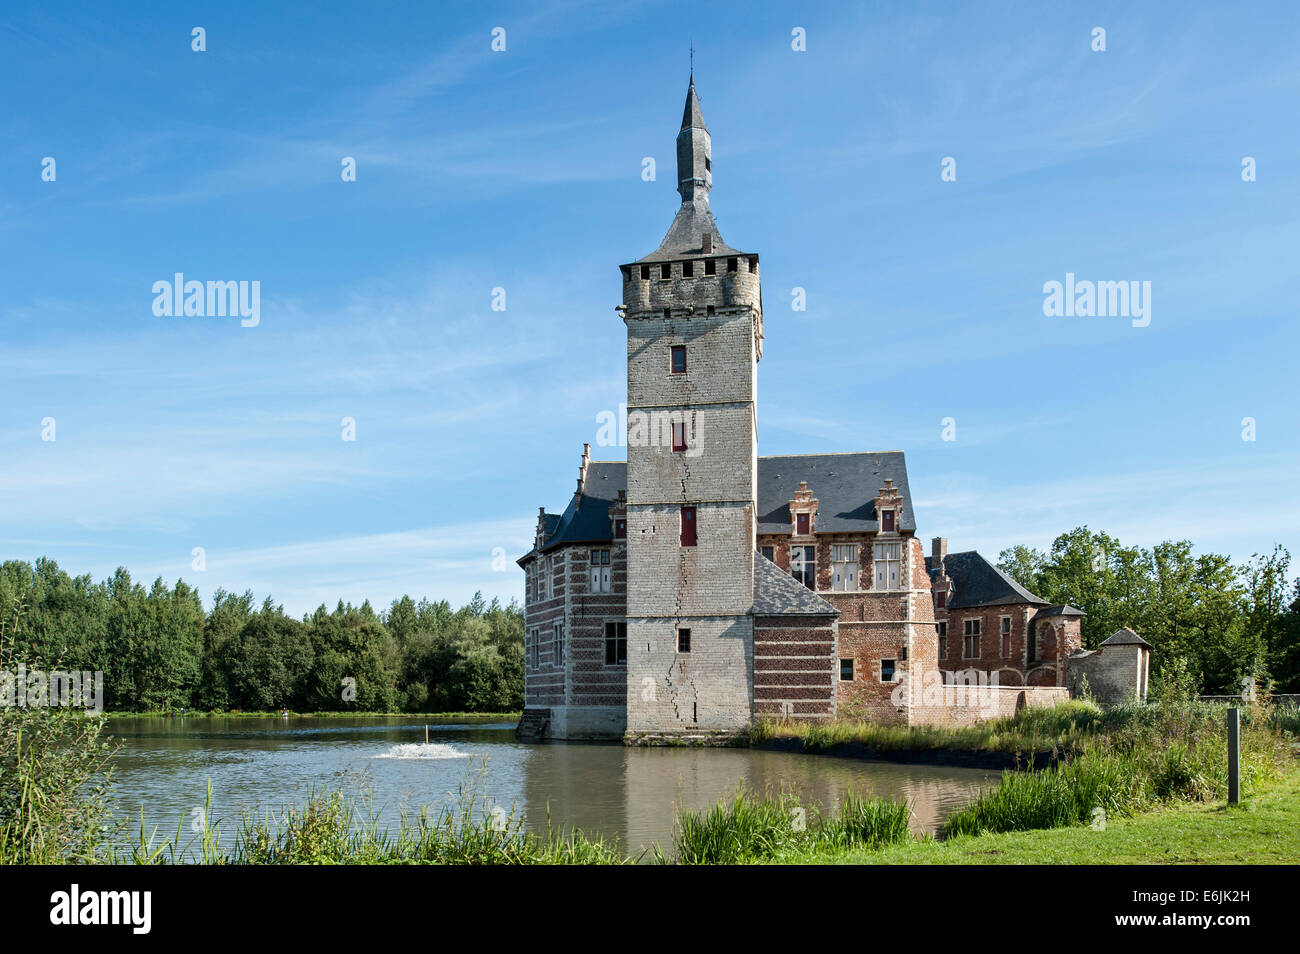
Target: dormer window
[(620, 529), (801, 523), (887, 521)]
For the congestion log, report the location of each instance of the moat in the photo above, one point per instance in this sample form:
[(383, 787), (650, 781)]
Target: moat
[(629, 794)]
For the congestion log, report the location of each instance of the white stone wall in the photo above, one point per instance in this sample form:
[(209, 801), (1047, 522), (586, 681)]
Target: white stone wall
[(707, 587), (707, 689)]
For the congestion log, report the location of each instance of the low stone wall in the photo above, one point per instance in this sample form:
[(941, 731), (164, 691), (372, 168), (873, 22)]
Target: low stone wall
[(971, 705)]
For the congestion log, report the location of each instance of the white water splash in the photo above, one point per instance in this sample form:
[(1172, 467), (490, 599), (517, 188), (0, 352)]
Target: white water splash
[(423, 750)]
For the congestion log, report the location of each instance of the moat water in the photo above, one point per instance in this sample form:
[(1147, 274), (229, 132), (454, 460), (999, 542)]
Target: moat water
[(256, 765)]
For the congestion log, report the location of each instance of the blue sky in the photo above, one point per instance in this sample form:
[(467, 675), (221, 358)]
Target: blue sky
[(522, 170)]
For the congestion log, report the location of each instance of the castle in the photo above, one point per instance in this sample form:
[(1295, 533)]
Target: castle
[(697, 585)]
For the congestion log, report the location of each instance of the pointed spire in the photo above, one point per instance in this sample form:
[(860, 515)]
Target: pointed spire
[(691, 115)]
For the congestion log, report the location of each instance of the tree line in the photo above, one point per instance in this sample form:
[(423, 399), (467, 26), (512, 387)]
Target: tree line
[(1206, 618), (159, 650)]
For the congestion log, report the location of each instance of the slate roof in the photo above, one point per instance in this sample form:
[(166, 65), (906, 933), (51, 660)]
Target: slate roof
[(1060, 609), (685, 238), (977, 582), (845, 486), (777, 593), (1125, 637), (551, 523), (586, 519)]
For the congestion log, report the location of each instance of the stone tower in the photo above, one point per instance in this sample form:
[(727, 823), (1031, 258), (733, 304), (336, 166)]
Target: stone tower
[(694, 337)]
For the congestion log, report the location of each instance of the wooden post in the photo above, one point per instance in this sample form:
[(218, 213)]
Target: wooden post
[(426, 735), (1234, 756)]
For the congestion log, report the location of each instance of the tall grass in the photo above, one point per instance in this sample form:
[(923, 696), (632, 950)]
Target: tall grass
[(1061, 728), (1139, 756), (332, 827), (54, 775), (756, 827)]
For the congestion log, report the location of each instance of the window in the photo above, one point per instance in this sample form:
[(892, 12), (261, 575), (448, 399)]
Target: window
[(1031, 644), (534, 639), (887, 670), (888, 565), (688, 526), (753, 264), (942, 598), (710, 310), (615, 643), (708, 164), (943, 640), (601, 575), (769, 553), (846, 670), (665, 271), (731, 264), (541, 578), (970, 640), (620, 529), (971, 627), (683, 640), (688, 269), (678, 353), (668, 313), (645, 272), (679, 436), (803, 565), (1006, 636), (844, 566), (711, 267), (557, 645), (801, 523), (886, 521)]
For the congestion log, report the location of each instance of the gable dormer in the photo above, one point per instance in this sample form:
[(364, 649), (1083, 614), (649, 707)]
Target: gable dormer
[(889, 508), (803, 512)]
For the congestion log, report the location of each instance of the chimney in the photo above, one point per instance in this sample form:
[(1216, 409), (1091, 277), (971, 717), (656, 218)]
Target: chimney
[(706, 245), (939, 550), (582, 470)]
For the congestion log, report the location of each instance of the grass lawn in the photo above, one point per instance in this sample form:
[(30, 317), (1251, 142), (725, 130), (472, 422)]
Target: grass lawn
[(1265, 829)]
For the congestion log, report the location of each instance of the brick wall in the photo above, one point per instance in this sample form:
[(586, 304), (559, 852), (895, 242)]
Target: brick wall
[(795, 667), (874, 625)]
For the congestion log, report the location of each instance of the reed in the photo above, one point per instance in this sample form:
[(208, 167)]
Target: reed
[(755, 827)]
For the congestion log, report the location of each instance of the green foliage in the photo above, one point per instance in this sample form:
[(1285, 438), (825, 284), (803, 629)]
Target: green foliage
[(1049, 728), (159, 651), (333, 827), (1139, 755), (754, 827), (1228, 622), (53, 787), (1176, 683)]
